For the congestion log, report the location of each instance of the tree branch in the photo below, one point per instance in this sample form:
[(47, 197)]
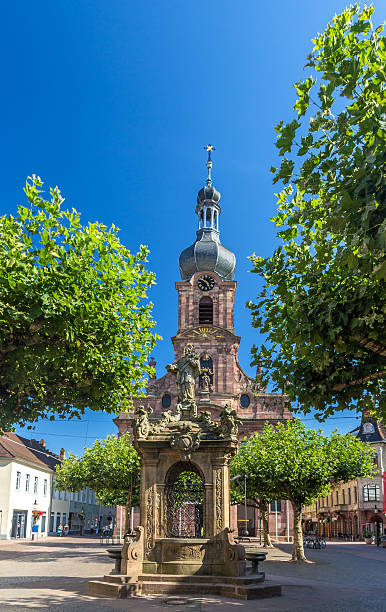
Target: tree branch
[(372, 345), (358, 381)]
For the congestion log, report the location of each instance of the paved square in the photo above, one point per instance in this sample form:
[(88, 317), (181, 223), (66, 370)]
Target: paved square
[(52, 574)]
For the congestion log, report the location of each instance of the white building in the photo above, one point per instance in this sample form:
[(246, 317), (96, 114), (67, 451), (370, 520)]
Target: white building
[(27, 475), (25, 487)]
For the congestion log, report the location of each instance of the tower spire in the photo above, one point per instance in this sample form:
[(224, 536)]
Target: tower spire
[(209, 148), (207, 252)]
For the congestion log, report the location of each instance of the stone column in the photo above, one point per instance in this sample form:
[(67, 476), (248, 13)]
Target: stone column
[(221, 494), (149, 498)]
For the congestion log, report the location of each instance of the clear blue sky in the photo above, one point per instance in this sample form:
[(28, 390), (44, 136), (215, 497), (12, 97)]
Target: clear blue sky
[(113, 100)]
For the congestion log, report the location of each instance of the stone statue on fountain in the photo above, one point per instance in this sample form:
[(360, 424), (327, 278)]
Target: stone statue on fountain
[(186, 370)]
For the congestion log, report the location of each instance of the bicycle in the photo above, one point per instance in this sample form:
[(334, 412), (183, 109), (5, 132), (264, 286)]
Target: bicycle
[(309, 543), (320, 543)]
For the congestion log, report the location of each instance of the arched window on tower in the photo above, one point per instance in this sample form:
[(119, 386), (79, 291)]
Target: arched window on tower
[(208, 217), (205, 311), (206, 365)]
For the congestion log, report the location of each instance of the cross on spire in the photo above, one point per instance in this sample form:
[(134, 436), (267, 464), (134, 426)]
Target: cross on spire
[(209, 148)]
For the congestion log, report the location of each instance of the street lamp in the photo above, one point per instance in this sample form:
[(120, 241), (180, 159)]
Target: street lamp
[(377, 526), (34, 527), (246, 532)]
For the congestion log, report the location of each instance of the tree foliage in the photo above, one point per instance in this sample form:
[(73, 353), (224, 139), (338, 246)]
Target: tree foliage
[(323, 306), (75, 326), (110, 468), (188, 488), (290, 462)]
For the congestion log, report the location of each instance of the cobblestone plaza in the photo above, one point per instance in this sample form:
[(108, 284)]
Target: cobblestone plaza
[(53, 574)]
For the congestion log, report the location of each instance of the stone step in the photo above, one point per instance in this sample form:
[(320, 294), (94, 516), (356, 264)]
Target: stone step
[(102, 588), (248, 591), (198, 579), (120, 590), (119, 578)]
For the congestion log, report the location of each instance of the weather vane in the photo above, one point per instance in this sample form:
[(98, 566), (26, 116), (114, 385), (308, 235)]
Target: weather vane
[(209, 148)]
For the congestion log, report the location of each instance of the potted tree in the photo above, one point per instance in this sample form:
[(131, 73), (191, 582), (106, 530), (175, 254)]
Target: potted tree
[(368, 536)]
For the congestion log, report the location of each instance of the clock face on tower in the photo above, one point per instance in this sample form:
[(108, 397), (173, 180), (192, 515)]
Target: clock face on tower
[(205, 282)]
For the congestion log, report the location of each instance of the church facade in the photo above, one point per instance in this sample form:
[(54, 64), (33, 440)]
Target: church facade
[(206, 299)]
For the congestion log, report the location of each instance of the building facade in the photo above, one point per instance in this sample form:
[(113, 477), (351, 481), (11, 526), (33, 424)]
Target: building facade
[(357, 506), (206, 320), (87, 515), (27, 488)]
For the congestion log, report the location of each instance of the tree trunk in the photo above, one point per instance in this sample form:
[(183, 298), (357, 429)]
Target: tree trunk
[(298, 548), (266, 537), (128, 509)]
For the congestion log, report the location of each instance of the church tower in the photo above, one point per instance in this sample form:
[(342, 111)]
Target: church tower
[(206, 298)]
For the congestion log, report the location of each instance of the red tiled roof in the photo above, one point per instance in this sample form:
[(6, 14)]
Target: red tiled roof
[(12, 445)]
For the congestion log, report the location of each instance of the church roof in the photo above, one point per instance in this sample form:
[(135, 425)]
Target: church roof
[(207, 253)]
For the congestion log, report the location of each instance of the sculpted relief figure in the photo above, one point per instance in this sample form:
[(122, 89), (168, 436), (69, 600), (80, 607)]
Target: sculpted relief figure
[(140, 423), (229, 422), (205, 380), (186, 370)]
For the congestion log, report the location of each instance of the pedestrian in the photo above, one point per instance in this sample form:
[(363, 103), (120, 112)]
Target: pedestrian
[(59, 530), (66, 530)]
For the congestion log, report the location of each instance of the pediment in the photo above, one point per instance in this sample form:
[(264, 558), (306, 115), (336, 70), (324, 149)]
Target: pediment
[(208, 332)]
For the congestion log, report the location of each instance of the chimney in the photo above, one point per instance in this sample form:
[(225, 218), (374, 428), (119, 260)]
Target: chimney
[(42, 443), (62, 454)]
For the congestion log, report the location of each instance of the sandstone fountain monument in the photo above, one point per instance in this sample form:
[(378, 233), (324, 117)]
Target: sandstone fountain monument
[(184, 543)]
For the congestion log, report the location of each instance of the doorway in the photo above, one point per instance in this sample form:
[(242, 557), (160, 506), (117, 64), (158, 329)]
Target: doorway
[(19, 524)]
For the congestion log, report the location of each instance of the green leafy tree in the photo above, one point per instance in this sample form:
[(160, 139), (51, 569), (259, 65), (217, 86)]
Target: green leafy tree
[(290, 462), (323, 306), (75, 326), (110, 468)]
